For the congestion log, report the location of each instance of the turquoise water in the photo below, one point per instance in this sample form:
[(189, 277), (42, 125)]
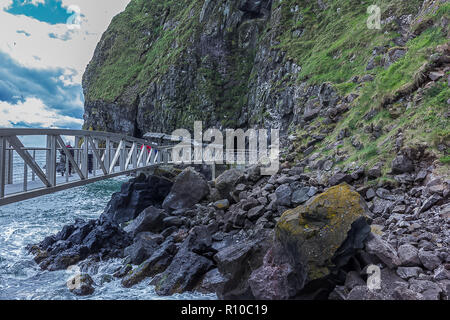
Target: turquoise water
[(30, 221)]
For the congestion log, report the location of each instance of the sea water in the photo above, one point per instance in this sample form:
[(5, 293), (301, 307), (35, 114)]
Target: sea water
[(30, 221)]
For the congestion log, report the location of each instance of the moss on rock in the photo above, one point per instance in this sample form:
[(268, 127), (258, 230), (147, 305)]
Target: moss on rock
[(314, 232)]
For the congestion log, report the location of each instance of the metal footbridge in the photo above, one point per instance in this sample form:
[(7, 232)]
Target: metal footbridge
[(27, 172)]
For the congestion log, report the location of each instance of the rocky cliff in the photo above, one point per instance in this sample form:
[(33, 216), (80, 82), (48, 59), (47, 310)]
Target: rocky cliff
[(311, 68)]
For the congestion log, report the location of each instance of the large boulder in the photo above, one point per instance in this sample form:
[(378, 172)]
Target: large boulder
[(324, 233), (237, 262), (81, 285), (226, 181), (144, 245), (376, 246), (136, 195), (276, 279), (157, 263), (188, 189), (402, 164), (151, 219), (79, 241), (189, 265)]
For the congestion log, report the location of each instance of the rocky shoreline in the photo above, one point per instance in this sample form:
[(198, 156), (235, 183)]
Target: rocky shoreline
[(289, 236)]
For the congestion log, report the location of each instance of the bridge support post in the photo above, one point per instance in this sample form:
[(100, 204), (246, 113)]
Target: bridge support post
[(108, 153), (2, 166), (122, 159), (9, 164), (85, 157), (50, 165), (52, 172), (134, 156), (25, 177)]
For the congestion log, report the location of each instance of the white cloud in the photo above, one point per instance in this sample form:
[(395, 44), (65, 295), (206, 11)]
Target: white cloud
[(33, 112), (74, 53), (69, 50)]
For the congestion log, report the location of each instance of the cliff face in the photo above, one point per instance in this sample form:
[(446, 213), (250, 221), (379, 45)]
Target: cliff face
[(311, 68), (163, 64)]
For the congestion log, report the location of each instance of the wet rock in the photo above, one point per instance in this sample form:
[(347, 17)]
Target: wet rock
[(134, 197), (157, 263), (151, 219), (81, 241), (181, 195), (212, 281), (236, 263), (189, 264), (143, 247), (123, 271), (81, 285)]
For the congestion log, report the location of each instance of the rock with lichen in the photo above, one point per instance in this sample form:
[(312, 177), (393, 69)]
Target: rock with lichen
[(324, 233)]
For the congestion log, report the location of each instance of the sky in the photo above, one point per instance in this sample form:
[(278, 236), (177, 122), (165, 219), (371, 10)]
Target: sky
[(45, 46)]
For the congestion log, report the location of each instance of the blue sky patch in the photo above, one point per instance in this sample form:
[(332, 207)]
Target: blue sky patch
[(18, 83), (51, 12), (23, 32)]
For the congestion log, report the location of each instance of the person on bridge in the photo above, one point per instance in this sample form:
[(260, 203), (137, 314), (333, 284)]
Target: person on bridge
[(69, 147), (90, 161)]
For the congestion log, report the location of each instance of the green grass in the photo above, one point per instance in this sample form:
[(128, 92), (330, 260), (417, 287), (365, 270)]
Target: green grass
[(445, 159), (328, 59)]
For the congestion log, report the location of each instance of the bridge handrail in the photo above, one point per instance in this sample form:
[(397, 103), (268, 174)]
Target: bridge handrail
[(6, 132)]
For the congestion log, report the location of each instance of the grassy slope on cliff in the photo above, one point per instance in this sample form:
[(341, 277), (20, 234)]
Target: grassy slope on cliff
[(139, 47), (336, 46)]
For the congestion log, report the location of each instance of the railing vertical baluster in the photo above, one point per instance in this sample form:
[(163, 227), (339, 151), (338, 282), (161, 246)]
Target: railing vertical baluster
[(2, 166), (47, 158), (94, 159), (10, 166), (77, 151), (123, 157), (113, 152), (52, 176), (160, 153), (107, 153), (85, 157), (33, 175), (135, 153), (25, 177), (67, 169), (145, 156)]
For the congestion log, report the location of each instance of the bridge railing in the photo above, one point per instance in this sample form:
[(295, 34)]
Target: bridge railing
[(94, 156)]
